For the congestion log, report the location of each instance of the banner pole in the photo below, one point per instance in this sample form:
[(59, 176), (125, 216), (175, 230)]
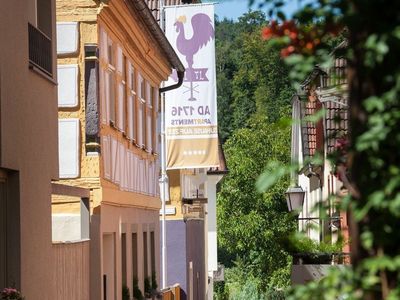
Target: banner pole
[(164, 178)]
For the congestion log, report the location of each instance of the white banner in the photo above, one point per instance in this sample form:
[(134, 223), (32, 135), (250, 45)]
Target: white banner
[(191, 110)]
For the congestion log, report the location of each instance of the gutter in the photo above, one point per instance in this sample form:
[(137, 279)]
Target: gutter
[(158, 34)]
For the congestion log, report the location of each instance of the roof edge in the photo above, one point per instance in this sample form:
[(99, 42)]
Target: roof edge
[(152, 25)]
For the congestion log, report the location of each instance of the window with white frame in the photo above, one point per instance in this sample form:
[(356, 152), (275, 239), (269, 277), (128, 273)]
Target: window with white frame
[(131, 99), (142, 112), (154, 92), (110, 80), (149, 117), (121, 102)]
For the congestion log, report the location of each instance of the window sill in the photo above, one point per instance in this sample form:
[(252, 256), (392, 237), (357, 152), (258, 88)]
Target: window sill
[(70, 242), (41, 73)]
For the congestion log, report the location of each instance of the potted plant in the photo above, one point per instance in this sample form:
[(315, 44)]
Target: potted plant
[(10, 294), (136, 292), (150, 287), (126, 295)]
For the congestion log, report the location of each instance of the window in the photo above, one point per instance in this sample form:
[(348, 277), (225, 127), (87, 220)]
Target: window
[(68, 147), (67, 38), (43, 16), (110, 81), (123, 258), (10, 259), (40, 35), (131, 124), (149, 117), (154, 101), (145, 257), (141, 113), (134, 256), (153, 253), (121, 69), (3, 233)]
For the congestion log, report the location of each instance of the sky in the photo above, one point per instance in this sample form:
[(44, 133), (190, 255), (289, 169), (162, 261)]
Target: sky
[(232, 9)]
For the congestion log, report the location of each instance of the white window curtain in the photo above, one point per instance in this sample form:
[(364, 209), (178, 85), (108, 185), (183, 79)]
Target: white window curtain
[(114, 157), (105, 153)]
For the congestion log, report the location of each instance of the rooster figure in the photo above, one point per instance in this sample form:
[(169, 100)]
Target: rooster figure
[(203, 32)]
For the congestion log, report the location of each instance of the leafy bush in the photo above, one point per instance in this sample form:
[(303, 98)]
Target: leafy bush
[(11, 294), (136, 292), (125, 293)]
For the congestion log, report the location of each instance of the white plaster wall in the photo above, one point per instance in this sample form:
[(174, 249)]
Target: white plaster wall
[(66, 227), (67, 37), (312, 197), (68, 147)]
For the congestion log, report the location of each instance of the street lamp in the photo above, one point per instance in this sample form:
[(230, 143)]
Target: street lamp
[(295, 198)]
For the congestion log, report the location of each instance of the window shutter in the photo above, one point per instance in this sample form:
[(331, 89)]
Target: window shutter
[(149, 118), (68, 147), (154, 116), (105, 153), (136, 167), (67, 37), (91, 94), (111, 96), (141, 175), (121, 90), (67, 85), (150, 178), (103, 94), (114, 156), (103, 45), (123, 168), (129, 99), (120, 60), (130, 117), (103, 76), (121, 106), (141, 120)]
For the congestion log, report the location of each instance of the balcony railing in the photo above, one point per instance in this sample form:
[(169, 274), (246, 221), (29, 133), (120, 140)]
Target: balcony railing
[(171, 293), (40, 50)]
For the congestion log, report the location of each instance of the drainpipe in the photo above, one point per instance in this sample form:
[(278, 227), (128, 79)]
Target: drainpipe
[(181, 75)]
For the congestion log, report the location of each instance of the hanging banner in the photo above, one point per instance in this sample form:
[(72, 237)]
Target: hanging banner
[(191, 110)]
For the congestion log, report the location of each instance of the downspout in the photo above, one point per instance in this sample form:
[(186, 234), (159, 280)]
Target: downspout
[(181, 75)]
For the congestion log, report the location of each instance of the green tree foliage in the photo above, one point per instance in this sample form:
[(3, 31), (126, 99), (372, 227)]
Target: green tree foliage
[(251, 77), (373, 30), (253, 96), (252, 225)]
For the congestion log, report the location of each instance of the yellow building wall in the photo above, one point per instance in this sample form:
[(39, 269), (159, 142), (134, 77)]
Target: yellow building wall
[(112, 209), (148, 60), (89, 165), (175, 196)]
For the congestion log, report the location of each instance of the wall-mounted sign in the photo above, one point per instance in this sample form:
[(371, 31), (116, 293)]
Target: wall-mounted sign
[(191, 110)]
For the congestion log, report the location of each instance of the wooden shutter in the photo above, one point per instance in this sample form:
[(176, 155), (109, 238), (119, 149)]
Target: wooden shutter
[(121, 90), (114, 157), (149, 118), (140, 123), (131, 103), (105, 153)]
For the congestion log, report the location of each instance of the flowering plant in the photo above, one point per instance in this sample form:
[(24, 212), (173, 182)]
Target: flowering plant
[(10, 294)]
